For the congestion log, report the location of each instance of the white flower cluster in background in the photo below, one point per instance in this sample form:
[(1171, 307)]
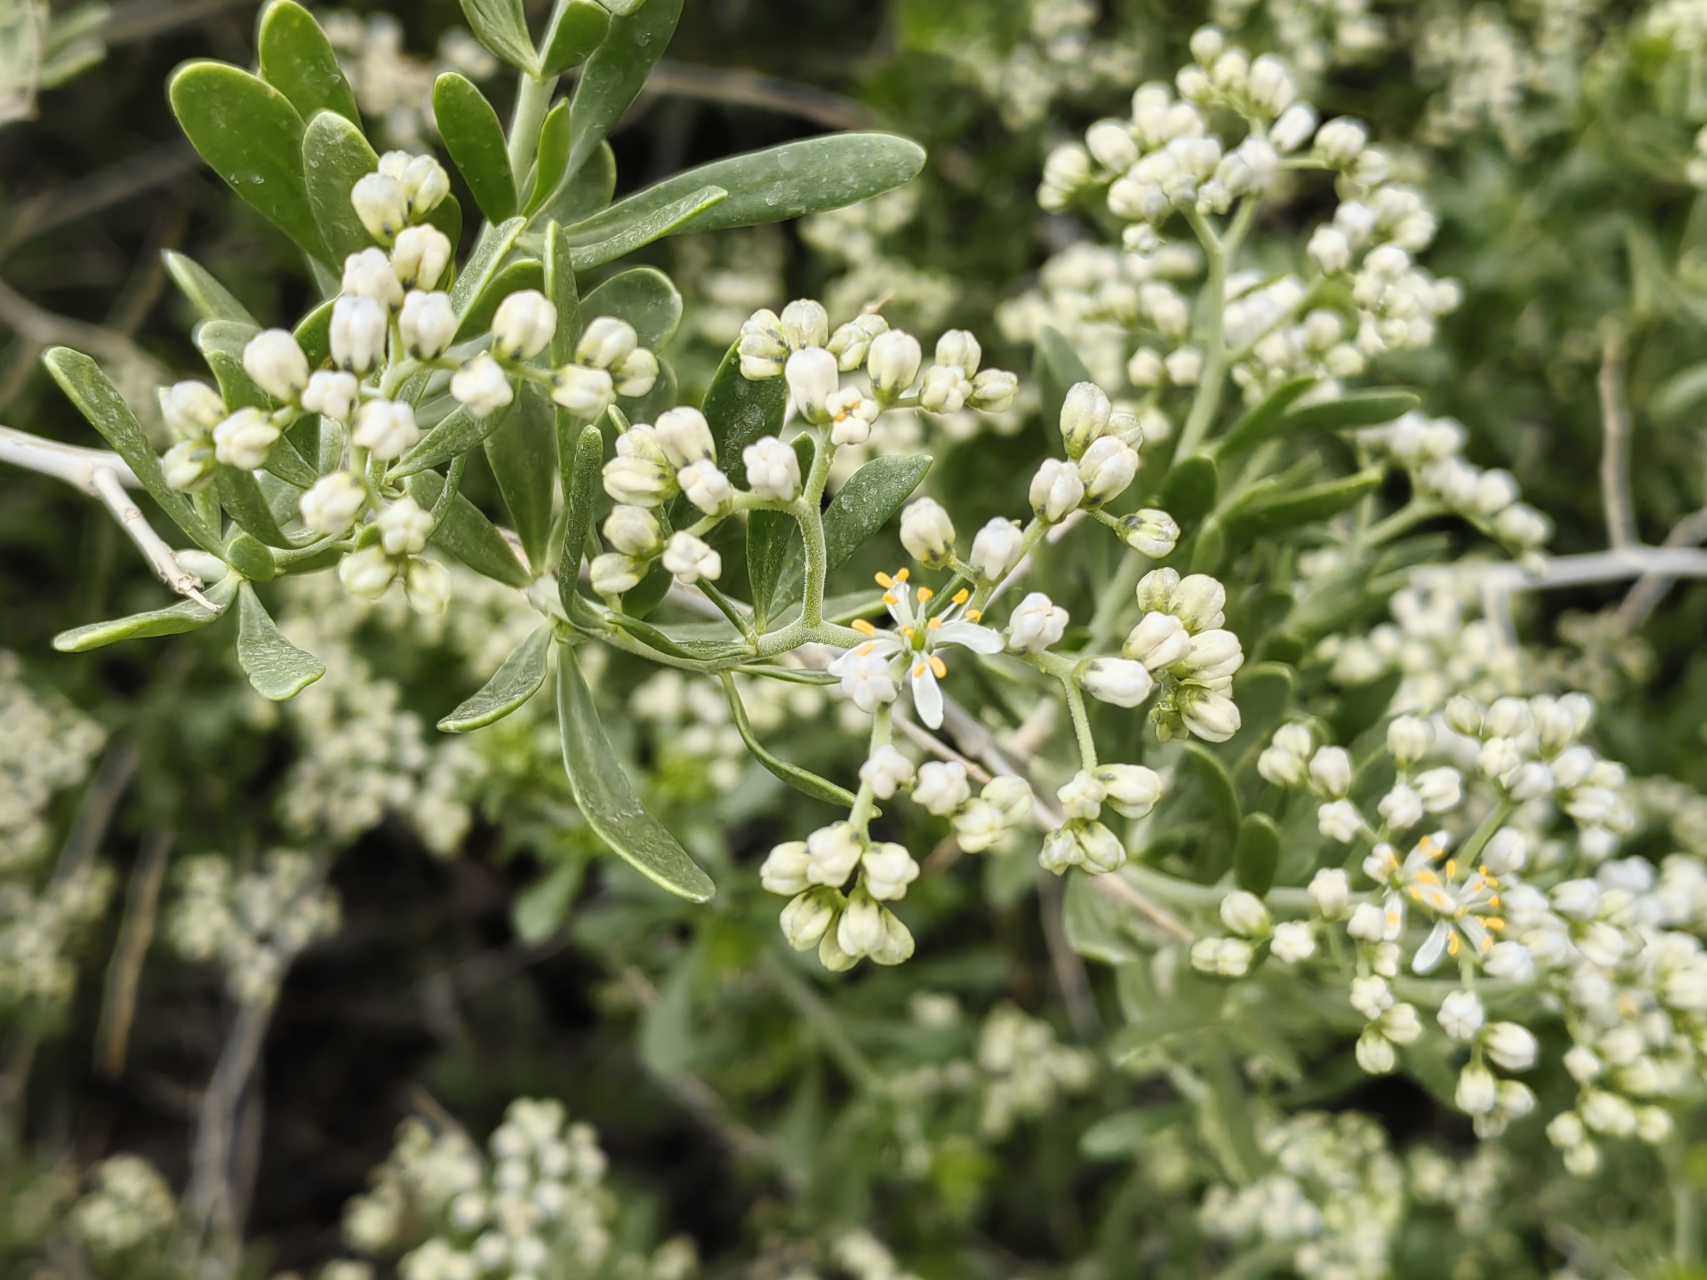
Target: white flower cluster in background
[(726, 277), (853, 237), (38, 929), (1313, 35), (392, 86), (252, 924), (535, 1207), (129, 1208), (1024, 1071), (694, 735), (45, 747), (864, 1257)]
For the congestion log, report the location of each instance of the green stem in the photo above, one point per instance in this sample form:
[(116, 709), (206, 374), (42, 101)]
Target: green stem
[(1220, 251), (811, 520), (1081, 723), (533, 96), (453, 485), (1113, 599), (1472, 848), (1411, 514), (742, 624), (860, 815)]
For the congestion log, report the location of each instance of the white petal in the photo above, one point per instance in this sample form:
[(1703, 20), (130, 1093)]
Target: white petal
[(969, 635), (1433, 948), (927, 695)]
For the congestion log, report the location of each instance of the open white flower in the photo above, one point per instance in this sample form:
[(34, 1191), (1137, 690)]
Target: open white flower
[(914, 645)]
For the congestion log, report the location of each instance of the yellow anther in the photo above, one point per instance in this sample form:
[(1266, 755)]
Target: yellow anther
[(1495, 923), (889, 598), (1426, 876), (1451, 869), (925, 593), (933, 624), (863, 627), (908, 632), (1494, 901), (901, 575), (918, 671), (885, 581), (1452, 944), (938, 667), (865, 648), (972, 615), (962, 596)]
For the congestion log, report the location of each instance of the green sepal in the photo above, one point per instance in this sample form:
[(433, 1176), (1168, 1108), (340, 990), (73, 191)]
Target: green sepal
[(517, 680), (277, 669)]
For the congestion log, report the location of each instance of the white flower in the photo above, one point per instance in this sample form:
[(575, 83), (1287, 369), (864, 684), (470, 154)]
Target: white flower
[(993, 390), (1409, 739), (1085, 413), (613, 573), (915, 645), (706, 487), (1330, 770), (885, 771), (367, 573), (892, 364), (944, 389), (1375, 1053), (1401, 807), (1208, 713), (634, 531), (1512, 1047), (333, 502), (331, 393), (191, 409), (188, 466), (868, 679), (357, 333), (482, 386), (606, 341), (927, 533), (1577, 899), (1478, 1090), (690, 559), (403, 527), (586, 392), (1371, 996), (1330, 890), (1158, 641), (832, 854), (1036, 624), (1293, 941), (889, 869), (1339, 820), (1132, 789), (1081, 796), (812, 378), (1440, 790), (1461, 1015), (420, 257), (1150, 532), (996, 549), (382, 205), (386, 428), (851, 342), (942, 787), (684, 436), (1056, 489), (1512, 961), (851, 415), (428, 586), (1245, 914), (244, 439), (773, 470), (523, 324), (1119, 681), (368, 274)]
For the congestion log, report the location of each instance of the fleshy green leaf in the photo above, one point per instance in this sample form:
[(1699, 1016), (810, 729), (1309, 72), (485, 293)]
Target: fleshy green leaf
[(242, 498), (582, 459), (334, 156), (601, 239), (211, 299), (560, 291), (1058, 368), (582, 193), (773, 543), (99, 401), (552, 157), (802, 780), (446, 215), (1221, 801), (1188, 494), (1354, 409), (665, 394), (1095, 925), (277, 668), (467, 534), (1256, 853), (186, 615), (502, 26), (457, 433), (314, 334), (250, 557), (510, 686), (1274, 512), (647, 594), (645, 297), (483, 264), (613, 76), (580, 26), (606, 799), (866, 502), (471, 133), (523, 458), (297, 60), (251, 136), (540, 907), (525, 273), (1265, 419), (221, 343), (740, 412), (288, 464), (778, 183)]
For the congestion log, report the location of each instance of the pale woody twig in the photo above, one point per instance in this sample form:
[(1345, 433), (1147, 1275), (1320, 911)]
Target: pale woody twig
[(118, 1005), (1615, 452), (160, 557), (1645, 596)]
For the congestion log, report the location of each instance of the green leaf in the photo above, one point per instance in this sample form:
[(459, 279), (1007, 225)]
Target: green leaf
[(250, 557), (525, 273), (1265, 419), (99, 401), (665, 394), (1256, 853), (523, 458), (1264, 693), (773, 542), (251, 136), (740, 412), (277, 668), (1221, 801), (777, 184), (288, 464), (297, 60), (601, 239), (313, 334), (475, 140), (582, 460), (221, 343), (510, 686), (802, 780), (1679, 393), (666, 1039), (1188, 493), (1096, 926), (483, 264), (335, 156), (1354, 409), (1058, 368), (446, 215), (457, 433), (645, 297), (539, 909), (241, 496), (647, 594), (871, 496), (580, 26), (613, 76), (186, 615), (582, 194), (1276, 512), (560, 291), (211, 299), (468, 535), (502, 26), (550, 162), (606, 799)]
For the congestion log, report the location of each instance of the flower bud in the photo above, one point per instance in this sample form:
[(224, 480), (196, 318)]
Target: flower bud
[(1110, 141), (1119, 681), (386, 428), (761, 346), (1330, 249), (482, 387), (889, 869), (812, 379), (367, 573), (1330, 771), (810, 915), (1156, 590), (333, 502), (684, 436), (941, 787), (1150, 532), (773, 470), (1341, 141), (635, 373), (331, 393), (357, 333), (382, 205), (851, 343), (1478, 1090), (613, 573), (188, 466), (1245, 914), (1036, 624), (993, 390), (1011, 795), (1294, 127), (978, 826), (1330, 890), (586, 392), (638, 481), (885, 771), (427, 584), (927, 533), (1512, 1047), (805, 323), (404, 526), (523, 325), (1198, 602), (191, 409), (996, 549), (690, 559), (784, 869), (1464, 716), (868, 679), (1132, 789), (420, 257), (944, 389), (1213, 658), (1270, 85), (1085, 415), (276, 364), (368, 274), (706, 487), (427, 324), (244, 439), (1081, 796), (634, 531), (1208, 713), (1056, 490), (424, 180), (1409, 739), (893, 363), (1158, 641), (1106, 469), (605, 341), (959, 349)]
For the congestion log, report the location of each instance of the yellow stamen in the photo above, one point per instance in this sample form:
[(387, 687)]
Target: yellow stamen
[(1452, 944), (885, 581), (962, 596), (889, 597), (925, 593), (908, 632), (918, 671), (1426, 876), (938, 666), (903, 574), (865, 648), (863, 627), (1495, 923), (972, 615), (1494, 901), (1451, 869), (933, 624)]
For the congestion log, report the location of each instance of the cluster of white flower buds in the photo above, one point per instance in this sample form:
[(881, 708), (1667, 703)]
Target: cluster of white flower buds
[(253, 925), (1082, 840), (655, 463), (1181, 641), (695, 741), (129, 1208), (46, 745), (1025, 1070)]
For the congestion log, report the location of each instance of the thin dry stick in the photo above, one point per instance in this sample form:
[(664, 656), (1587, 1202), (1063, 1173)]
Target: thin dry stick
[(1069, 969), (1615, 450), (96, 811), (210, 1200), (160, 557), (1650, 589), (124, 973), (115, 185), (751, 89), (68, 462)]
